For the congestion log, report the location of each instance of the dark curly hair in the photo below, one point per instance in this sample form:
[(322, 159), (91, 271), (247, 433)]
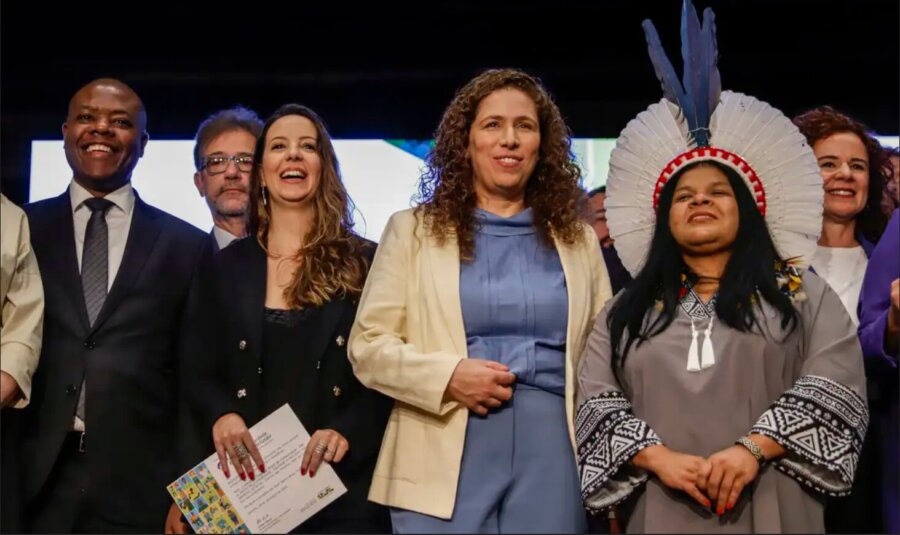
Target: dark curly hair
[(446, 196), (824, 121)]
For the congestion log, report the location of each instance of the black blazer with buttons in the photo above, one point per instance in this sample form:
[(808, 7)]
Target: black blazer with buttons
[(137, 359), (339, 402)]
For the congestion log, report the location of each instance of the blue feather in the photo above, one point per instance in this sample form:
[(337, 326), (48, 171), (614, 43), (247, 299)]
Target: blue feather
[(697, 94), (712, 52), (695, 79), (665, 73)]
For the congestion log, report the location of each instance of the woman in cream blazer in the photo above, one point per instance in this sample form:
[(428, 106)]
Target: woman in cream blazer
[(514, 283)]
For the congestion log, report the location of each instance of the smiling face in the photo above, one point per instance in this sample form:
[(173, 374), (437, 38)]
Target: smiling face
[(844, 166), (104, 135), (291, 165), (504, 143), (704, 214)]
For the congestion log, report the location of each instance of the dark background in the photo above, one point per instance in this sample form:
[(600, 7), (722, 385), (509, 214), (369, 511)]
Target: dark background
[(387, 70)]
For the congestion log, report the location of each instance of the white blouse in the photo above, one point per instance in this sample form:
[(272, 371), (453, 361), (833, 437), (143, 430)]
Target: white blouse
[(843, 269)]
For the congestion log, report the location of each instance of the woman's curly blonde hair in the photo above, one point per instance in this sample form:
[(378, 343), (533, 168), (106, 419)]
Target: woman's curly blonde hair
[(446, 194), (333, 260)]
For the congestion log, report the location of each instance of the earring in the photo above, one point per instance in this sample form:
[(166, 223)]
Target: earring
[(264, 198)]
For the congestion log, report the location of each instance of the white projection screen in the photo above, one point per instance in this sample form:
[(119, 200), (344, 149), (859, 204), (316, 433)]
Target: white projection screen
[(380, 175)]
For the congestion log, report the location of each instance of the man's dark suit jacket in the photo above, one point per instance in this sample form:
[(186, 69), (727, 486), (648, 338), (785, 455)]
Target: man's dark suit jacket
[(337, 399), (618, 275), (136, 359)]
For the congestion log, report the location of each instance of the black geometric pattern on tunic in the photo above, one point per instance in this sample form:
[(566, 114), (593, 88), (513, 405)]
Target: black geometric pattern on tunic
[(822, 422), (694, 307), (608, 435)]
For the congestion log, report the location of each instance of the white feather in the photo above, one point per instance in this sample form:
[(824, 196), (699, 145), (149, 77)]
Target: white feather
[(744, 125), (647, 144), (784, 162)]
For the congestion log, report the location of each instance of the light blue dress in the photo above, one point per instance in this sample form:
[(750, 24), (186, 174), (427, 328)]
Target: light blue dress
[(518, 471)]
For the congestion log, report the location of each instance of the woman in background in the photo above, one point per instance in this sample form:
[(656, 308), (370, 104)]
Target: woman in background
[(852, 165)]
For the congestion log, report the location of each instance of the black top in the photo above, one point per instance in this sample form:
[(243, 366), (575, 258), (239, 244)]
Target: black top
[(288, 372)]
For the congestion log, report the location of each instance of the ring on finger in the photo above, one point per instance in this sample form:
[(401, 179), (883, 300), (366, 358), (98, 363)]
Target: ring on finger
[(320, 448), (241, 451)]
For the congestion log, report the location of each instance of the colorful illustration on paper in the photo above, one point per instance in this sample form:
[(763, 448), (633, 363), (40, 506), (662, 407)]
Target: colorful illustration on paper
[(204, 504)]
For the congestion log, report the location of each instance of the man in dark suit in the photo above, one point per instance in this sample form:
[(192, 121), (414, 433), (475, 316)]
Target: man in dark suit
[(223, 158), (123, 283), (618, 275)]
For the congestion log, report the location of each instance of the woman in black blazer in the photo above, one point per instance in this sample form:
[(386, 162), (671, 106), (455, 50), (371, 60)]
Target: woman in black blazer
[(287, 297)]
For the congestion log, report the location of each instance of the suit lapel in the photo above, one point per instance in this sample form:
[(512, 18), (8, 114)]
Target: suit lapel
[(215, 242), (575, 270), (64, 260), (252, 295), (325, 325), (443, 264), (141, 238)]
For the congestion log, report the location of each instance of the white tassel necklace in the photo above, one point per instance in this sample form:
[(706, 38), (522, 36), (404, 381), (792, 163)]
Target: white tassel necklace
[(700, 359), (700, 356)]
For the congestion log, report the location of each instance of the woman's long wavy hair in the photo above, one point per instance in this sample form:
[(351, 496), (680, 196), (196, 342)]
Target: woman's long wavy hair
[(331, 261), (446, 194), (750, 271), (825, 121)]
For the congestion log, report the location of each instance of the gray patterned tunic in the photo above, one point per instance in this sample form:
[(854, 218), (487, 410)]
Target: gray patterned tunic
[(805, 389)]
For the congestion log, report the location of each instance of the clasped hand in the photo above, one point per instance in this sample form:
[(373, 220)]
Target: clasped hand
[(720, 478), (480, 385)]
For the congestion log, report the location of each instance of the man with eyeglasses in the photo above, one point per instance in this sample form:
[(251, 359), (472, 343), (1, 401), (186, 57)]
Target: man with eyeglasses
[(223, 156)]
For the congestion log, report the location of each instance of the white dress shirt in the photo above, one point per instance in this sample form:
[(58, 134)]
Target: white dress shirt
[(223, 237), (118, 223)]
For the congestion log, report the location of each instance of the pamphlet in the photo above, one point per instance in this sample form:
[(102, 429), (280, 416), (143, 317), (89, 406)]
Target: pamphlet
[(276, 502)]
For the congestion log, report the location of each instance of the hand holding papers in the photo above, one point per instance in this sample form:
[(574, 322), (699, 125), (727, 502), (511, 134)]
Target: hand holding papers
[(278, 500)]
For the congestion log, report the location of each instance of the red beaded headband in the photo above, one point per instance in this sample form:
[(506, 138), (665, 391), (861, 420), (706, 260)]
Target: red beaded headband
[(722, 156)]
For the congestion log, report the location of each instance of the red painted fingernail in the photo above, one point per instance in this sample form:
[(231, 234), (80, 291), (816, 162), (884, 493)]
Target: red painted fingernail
[(303, 471), (243, 477), (720, 511), (252, 476), (707, 503), (262, 468), (312, 473), (730, 506)]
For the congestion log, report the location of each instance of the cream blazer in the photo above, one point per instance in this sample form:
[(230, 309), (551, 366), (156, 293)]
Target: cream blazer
[(408, 338), (22, 300)]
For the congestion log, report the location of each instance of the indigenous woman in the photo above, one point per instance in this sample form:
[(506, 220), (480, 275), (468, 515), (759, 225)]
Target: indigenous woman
[(723, 390)]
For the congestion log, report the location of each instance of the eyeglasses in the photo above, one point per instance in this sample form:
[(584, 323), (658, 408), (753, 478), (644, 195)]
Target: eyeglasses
[(218, 164)]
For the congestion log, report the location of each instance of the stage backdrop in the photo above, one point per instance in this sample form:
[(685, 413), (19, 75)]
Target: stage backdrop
[(380, 175)]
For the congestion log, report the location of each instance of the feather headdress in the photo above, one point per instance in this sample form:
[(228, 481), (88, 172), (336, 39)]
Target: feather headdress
[(697, 121)]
